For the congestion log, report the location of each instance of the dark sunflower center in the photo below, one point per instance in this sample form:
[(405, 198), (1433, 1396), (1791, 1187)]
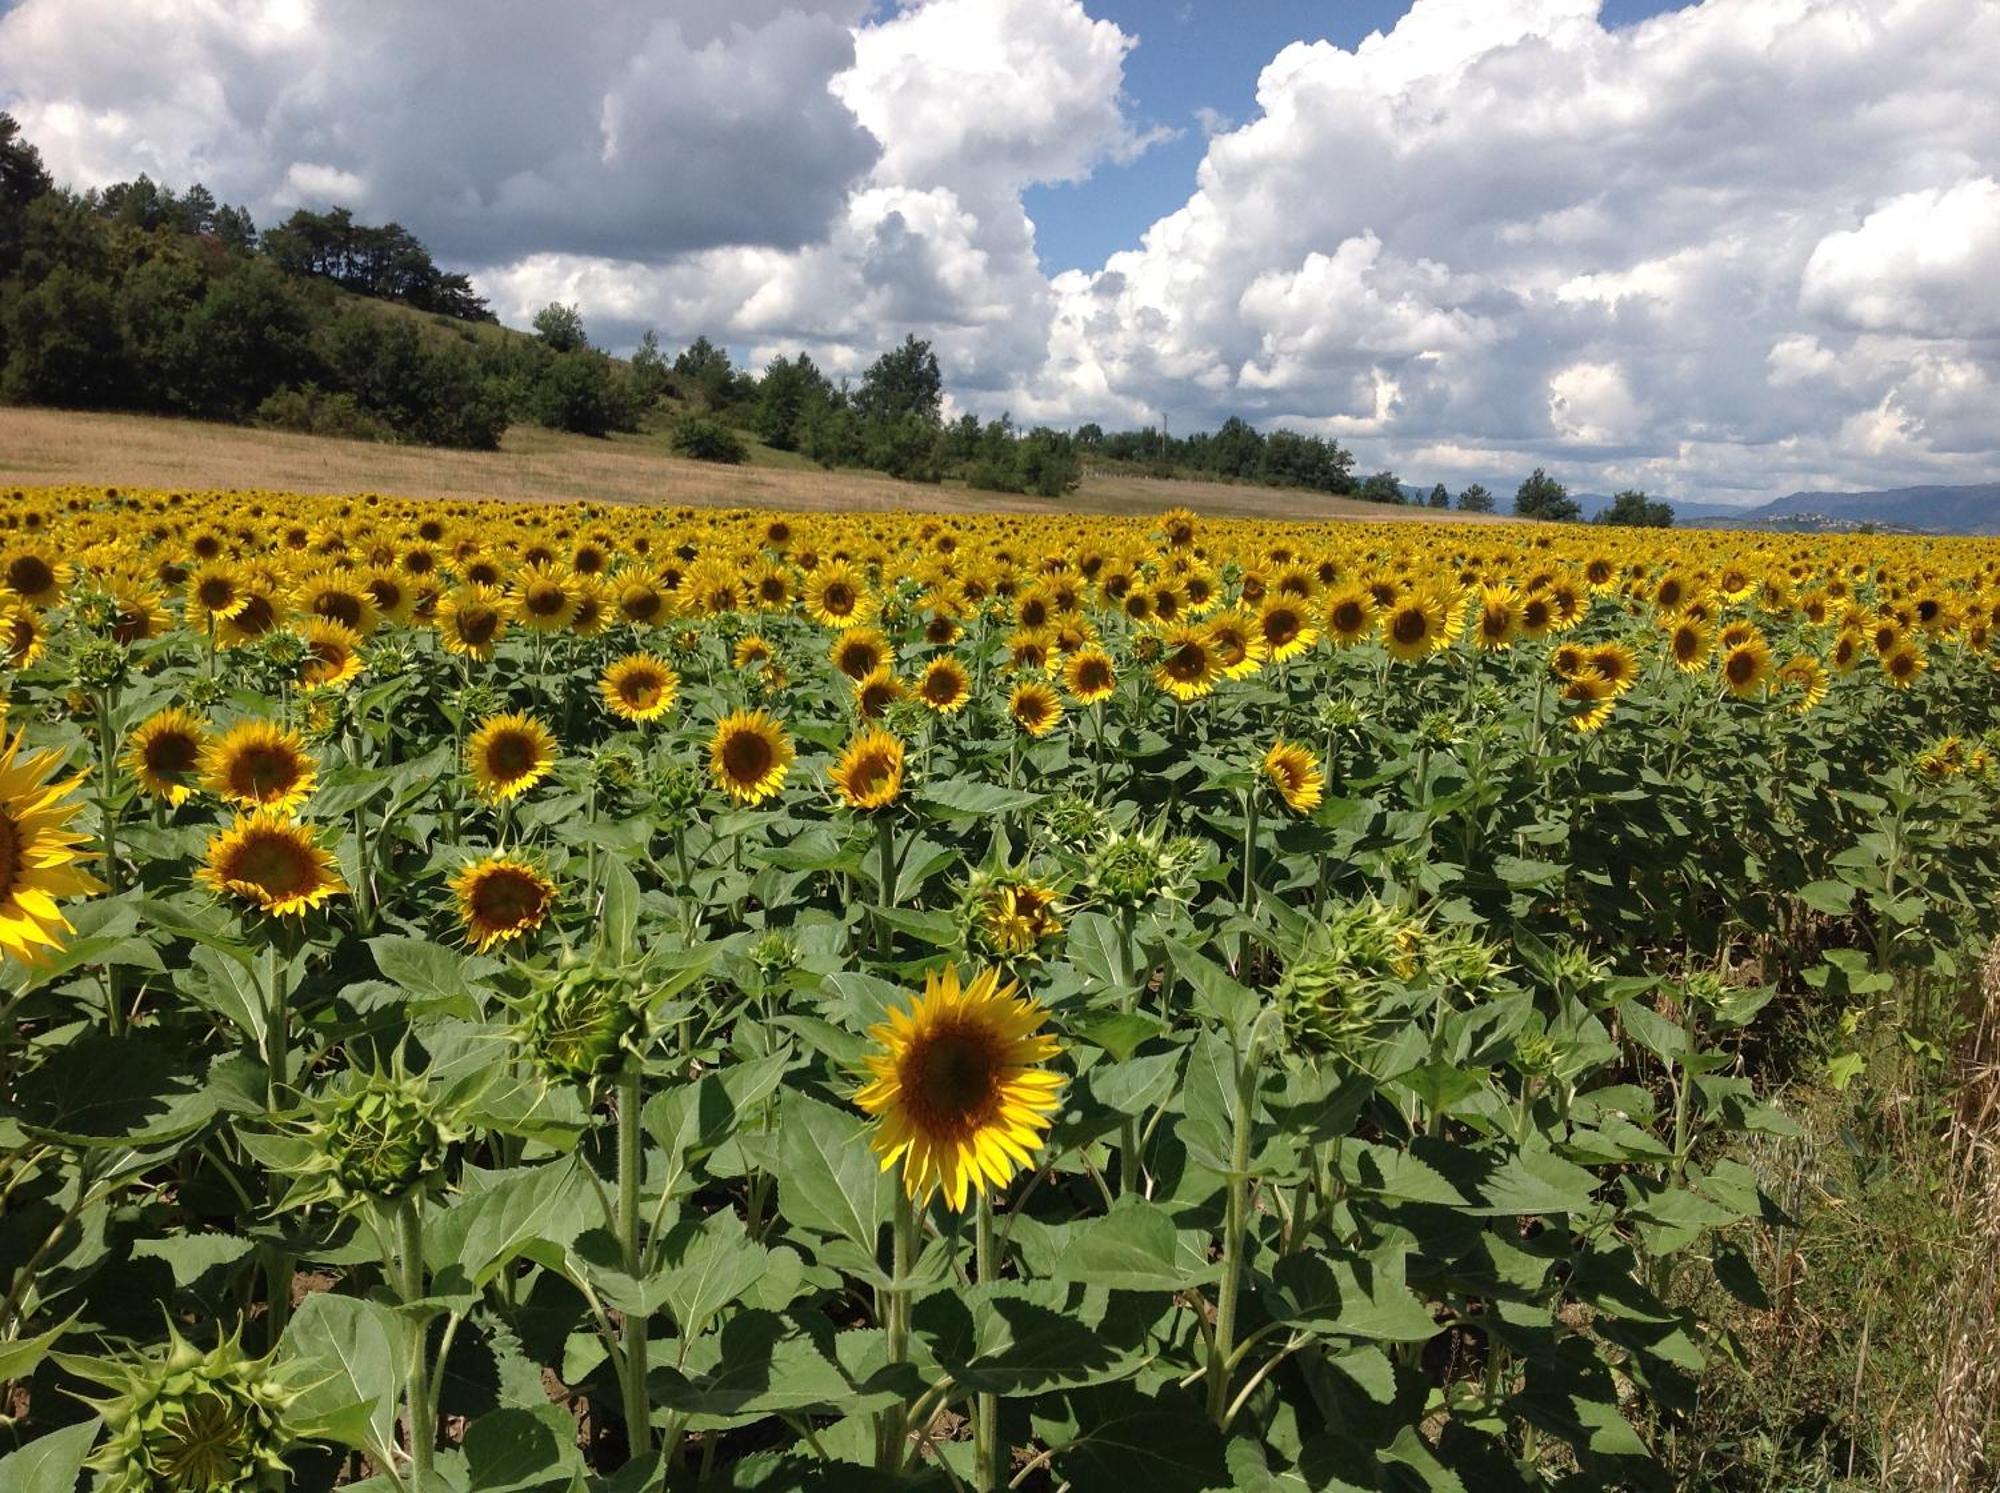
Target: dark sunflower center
[(339, 606), (1347, 616), (953, 1075), (506, 899), (640, 689), (1741, 668), (273, 864), (10, 854), (478, 625), (215, 593), (510, 755), (838, 598), (1410, 626), (547, 601), (941, 688), (257, 617), (746, 757), (1281, 627), (29, 575), (171, 755), (264, 772)]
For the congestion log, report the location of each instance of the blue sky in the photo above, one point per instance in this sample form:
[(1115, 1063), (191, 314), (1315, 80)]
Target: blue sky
[(1194, 55)]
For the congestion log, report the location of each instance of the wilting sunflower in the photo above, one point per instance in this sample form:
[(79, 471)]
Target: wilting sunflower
[(1904, 664), (165, 754), (333, 655), (1188, 668), (1089, 675), (257, 764), (501, 898), (1593, 695), (858, 652), (836, 596), (1285, 628), (1805, 677), (272, 863), (639, 687), (957, 1089), (471, 620), (1746, 668), (749, 755), (38, 855), (1499, 619), (508, 755), (1414, 625), (874, 695), (943, 686), (1035, 707), (1295, 773), (869, 774)]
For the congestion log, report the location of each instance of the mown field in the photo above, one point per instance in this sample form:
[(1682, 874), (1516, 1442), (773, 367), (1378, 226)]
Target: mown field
[(602, 996), (41, 447)]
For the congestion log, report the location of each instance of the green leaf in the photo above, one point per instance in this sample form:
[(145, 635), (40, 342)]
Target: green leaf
[(102, 1091), (483, 1231), (51, 1464), (828, 1179), (760, 1363), (424, 970), (1116, 1438), (1136, 1085), (1352, 1295), (18, 1358), (1134, 1247), (970, 798), (1216, 995), (707, 1266), (356, 1377), (1122, 1033), (1834, 898), (521, 1451), (619, 918)]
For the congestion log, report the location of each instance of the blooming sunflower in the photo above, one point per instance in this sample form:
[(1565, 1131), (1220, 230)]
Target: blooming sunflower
[(32, 573), (1414, 625), (339, 597), (1350, 615), (22, 637), (1616, 663), (1295, 773), (1035, 707), (37, 854), (1690, 644), (1499, 619), (1089, 675), (333, 655), (943, 686), (836, 596), (957, 1088), (639, 687), (859, 652), (257, 764), (1240, 648), (869, 774), (271, 863), (471, 620), (214, 592), (1746, 668), (1285, 628), (874, 695), (1806, 677), (165, 754), (136, 613), (751, 651), (749, 755), (544, 599), (1593, 694), (501, 898), (643, 601), (1903, 664), (257, 615), (508, 754), (1188, 667)]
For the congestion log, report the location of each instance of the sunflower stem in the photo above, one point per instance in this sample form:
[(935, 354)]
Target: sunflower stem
[(422, 1428), (631, 1164), (985, 1406), (885, 843), (107, 754), (892, 1429), (1222, 1346)]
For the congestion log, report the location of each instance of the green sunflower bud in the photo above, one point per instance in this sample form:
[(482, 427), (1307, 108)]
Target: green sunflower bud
[(185, 1421), (286, 649), (100, 663), (581, 1023), (1348, 969), (1133, 869)]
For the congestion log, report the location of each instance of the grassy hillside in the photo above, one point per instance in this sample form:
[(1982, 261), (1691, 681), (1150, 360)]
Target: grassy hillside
[(40, 446)]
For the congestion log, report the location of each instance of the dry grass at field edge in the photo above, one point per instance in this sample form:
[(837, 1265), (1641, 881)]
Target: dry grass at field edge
[(40, 447)]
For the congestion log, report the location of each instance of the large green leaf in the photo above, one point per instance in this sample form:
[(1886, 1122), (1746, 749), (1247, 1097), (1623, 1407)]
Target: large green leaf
[(828, 1180)]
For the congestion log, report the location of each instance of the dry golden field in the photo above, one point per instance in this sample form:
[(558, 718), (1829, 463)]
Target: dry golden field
[(40, 447)]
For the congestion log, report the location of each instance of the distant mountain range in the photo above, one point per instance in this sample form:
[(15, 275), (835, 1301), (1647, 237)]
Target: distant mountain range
[(1972, 509)]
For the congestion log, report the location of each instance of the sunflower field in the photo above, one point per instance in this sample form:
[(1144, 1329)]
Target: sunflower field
[(515, 997)]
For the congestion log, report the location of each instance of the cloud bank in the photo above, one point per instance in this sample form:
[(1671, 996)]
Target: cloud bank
[(1744, 246)]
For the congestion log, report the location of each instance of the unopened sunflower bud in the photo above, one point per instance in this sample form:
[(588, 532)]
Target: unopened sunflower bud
[(581, 1022)]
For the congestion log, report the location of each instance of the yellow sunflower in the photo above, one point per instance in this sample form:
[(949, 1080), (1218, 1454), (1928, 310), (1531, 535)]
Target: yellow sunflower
[(333, 655), (501, 898), (1187, 669), (214, 592), (1089, 675), (1414, 625), (1746, 668), (1016, 916), (1804, 676), (471, 621), (272, 863), (1285, 628), (836, 596), (1690, 644), (258, 614), (33, 573), (1350, 615), (1035, 707), (957, 1088), (858, 652), (508, 755), (22, 637), (1240, 648), (1903, 664), (943, 686), (749, 755), (639, 687), (1593, 694), (874, 695), (257, 764), (38, 856), (869, 774), (1499, 619), (544, 599), (165, 754), (1295, 773)]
